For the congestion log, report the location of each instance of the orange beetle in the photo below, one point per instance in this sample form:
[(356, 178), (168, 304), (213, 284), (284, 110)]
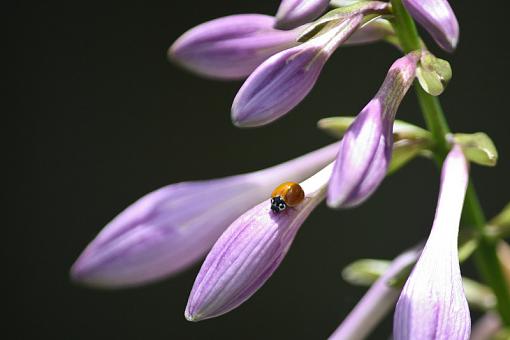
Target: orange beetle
[(288, 194)]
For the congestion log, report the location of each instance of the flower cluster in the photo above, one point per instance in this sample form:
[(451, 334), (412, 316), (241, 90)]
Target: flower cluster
[(232, 220)]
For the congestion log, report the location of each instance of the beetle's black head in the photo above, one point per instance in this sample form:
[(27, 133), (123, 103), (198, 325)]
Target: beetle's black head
[(278, 204)]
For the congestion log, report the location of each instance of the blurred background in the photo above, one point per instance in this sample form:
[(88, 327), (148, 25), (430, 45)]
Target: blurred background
[(100, 118)]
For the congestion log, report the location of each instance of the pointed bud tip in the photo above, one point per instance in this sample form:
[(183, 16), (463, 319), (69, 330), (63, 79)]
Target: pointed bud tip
[(82, 274), (241, 120), (192, 317)]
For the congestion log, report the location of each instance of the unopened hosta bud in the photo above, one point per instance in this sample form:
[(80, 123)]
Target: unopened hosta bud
[(293, 13), (171, 228), (437, 17), (365, 151), (285, 79), (249, 251), (230, 47), (432, 304)]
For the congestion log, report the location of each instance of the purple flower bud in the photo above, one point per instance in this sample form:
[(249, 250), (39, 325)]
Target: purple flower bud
[(365, 151), (248, 253), (284, 80), (437, 17), (293, 13), (173, 227), (230, 47), (376, 303), (432, 304)]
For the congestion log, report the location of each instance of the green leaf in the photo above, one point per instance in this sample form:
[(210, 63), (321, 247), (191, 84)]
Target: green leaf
[(336, 127), (364, 272), (478, 148), (503, 218), (404, 151), (478, 295), (499, 226), (468, 243)]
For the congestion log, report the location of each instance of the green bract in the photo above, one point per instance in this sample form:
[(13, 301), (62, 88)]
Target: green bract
[(336, 127), (433, 73), (364, 272), (478, 148)]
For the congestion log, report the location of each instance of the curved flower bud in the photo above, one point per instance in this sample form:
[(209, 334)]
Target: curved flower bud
[(230, 47), (376, 303), (437, 17), (248, 253), (293, 13), (173, 227), (365, 151), (284, 80), (432, 304)]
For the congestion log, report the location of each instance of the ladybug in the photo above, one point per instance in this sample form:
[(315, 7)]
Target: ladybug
[(288, 194)]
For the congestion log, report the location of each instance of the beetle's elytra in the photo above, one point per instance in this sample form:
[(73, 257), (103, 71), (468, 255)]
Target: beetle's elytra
[(288, 194)]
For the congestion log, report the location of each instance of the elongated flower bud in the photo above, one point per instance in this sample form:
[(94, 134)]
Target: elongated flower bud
[(173, 227), (432, 304), (293, 13), (376, 303), (230, 47), (365, 151), (284, 80), (437, 17), (248, 253)]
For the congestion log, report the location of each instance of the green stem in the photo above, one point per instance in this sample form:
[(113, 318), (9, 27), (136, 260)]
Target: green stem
[(486, 258)]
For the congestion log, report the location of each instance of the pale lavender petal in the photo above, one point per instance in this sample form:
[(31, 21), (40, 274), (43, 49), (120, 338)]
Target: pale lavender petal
[(437, 17), (171, 228), (376, 303), (230, 47), (293, 13), (244, 258), (284, 80), (365, 151), (432, 304)]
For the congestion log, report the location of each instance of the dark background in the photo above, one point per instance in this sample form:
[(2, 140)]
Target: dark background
[(100, 118)]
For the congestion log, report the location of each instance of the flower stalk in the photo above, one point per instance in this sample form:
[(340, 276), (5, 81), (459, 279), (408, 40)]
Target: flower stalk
[(485, 257)]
